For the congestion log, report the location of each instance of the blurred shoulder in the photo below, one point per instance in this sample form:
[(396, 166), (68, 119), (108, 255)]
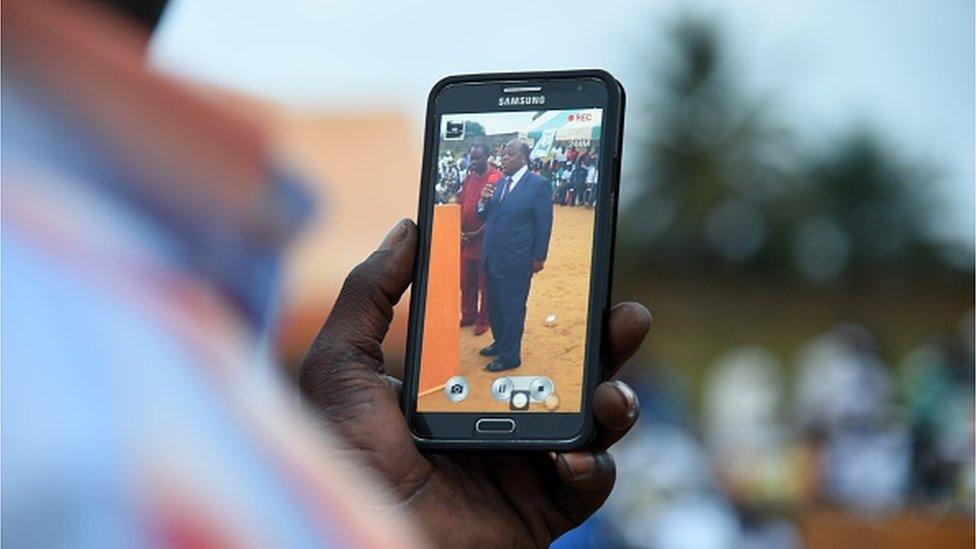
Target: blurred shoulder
[(538, 180)]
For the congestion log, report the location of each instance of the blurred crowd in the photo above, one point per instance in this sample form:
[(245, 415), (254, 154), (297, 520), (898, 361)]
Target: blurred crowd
[(837, 428), (571, 171)]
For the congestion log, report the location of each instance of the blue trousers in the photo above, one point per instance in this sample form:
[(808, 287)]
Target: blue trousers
[(506, 301)]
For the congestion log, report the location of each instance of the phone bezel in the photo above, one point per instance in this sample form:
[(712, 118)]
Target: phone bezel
[(479, 93)]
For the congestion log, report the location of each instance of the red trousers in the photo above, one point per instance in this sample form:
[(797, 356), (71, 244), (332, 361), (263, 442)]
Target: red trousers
[(473, 293)]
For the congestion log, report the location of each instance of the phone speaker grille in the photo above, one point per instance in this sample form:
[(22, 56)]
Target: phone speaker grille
[(522, 89)]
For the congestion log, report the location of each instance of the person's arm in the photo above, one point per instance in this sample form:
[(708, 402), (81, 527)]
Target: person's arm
[(472, 235), (542, 226)]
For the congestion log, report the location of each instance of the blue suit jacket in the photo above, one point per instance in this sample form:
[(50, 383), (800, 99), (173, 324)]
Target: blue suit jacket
[(517, 229)]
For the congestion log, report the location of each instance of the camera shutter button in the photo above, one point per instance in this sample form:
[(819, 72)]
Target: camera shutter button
[(456, 389)]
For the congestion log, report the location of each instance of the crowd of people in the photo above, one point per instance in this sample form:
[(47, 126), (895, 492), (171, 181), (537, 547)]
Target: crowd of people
[(840, 426), (571, 171)]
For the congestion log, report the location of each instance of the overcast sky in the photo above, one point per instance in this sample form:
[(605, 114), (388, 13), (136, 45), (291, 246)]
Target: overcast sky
[(906, 68)]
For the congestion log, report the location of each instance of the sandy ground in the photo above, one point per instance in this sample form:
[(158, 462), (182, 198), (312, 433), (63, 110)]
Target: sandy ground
[(555, 352)]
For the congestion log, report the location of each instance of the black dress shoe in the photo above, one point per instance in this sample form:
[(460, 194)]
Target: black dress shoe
[(499, 366), (489, 351)]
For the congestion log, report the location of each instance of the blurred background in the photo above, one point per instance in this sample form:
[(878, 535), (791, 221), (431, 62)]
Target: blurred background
[(797, 211)]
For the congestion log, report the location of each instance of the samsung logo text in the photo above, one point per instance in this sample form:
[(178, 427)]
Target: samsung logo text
[(521, 100)]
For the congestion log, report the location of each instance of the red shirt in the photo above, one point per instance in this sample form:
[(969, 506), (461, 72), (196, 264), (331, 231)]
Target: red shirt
[(571, 155), (468, 199)]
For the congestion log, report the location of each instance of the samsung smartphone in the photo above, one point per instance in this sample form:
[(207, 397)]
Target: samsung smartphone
[(511, 293)]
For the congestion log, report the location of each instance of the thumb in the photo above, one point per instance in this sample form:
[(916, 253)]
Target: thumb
[(362, 313)]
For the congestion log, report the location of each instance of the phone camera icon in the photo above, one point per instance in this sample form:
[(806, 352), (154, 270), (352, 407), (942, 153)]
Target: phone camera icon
[(456, 389)]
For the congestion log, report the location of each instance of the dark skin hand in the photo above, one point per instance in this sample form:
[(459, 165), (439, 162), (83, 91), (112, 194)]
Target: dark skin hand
[(457, 500), (467, 237), (487, 192)]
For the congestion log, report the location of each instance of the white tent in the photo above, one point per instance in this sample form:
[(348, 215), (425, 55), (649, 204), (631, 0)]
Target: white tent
[(581, 125)]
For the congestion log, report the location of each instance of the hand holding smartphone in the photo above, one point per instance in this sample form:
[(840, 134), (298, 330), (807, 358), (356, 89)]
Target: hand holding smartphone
[(507, 341), (504, 498)]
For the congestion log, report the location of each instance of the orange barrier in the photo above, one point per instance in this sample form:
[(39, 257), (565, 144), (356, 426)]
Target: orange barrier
[(441, 352), (912, 529)]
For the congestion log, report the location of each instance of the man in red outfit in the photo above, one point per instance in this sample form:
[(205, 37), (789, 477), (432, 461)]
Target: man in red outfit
[(571, 155), (473, 292)]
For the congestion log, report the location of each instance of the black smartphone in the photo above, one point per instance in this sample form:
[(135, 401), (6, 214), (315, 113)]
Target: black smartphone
[(518, 207)]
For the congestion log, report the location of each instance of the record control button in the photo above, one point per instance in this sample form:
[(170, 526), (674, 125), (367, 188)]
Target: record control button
[(520, 401), (541, 388), (501, 388)]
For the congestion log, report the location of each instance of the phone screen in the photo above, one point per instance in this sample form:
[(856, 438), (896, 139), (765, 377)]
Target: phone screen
[(506, 310)]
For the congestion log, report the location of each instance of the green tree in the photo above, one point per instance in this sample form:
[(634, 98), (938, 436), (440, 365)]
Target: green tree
[(473, 129), (713, 164), (726, 188), (863, 213)]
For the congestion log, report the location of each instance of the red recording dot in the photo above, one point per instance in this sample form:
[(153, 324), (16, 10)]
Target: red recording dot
[(571, 118)]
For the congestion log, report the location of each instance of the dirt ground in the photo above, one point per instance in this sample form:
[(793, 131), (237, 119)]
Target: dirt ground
[(555, 352)]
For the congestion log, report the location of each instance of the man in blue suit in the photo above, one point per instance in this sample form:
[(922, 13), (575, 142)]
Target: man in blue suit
[(518, 223)]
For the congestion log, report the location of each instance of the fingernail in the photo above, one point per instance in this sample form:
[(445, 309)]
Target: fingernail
[(630, 398), (579, 464), (394, 237)]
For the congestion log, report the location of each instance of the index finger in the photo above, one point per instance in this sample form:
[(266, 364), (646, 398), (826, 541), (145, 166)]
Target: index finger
[(626, 328)]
